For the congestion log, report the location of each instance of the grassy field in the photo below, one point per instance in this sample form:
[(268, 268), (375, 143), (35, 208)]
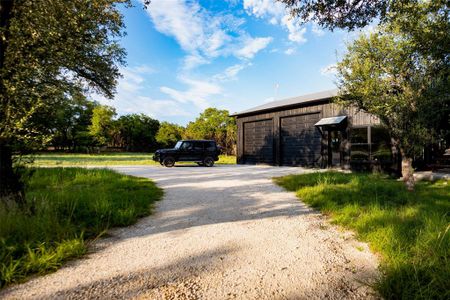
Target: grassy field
[(409, 229), (105, 159), (65, 209)]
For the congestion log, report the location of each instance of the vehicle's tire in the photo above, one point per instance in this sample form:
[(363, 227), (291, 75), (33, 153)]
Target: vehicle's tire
[(208, 161), (169, 162)]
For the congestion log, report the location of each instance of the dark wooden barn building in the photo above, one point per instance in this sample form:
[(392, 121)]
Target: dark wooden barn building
[(310, 130)]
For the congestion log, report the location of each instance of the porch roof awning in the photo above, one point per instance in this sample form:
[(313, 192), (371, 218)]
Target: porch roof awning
[(333, 121)]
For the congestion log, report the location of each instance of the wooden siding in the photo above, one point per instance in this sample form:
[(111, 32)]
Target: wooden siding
[(324, 109)]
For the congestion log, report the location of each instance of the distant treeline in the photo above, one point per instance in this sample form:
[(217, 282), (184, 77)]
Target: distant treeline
[(87, 126)]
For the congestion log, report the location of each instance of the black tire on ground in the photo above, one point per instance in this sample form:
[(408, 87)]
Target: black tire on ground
[(208, 161), (169, 162)]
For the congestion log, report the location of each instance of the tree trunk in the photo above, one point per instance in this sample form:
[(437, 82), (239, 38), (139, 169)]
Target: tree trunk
[(11, 187), (407, 172)]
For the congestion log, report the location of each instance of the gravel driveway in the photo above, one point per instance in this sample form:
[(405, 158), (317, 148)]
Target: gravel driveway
[(219, 233)]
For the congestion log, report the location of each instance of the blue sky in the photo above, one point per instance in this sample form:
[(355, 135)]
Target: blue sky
[(185, 56)]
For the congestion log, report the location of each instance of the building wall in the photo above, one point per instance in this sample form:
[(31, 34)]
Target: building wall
[(325, 108)]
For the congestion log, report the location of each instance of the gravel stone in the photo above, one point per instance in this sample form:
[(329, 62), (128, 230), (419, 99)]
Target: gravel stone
[(226, 232)]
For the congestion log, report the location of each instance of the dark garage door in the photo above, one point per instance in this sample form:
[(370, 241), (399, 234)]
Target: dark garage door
[(258, 142), (300, 140)]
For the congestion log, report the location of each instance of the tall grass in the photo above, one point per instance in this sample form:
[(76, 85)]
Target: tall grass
[(106, 159), (64, 208), (411, 230)]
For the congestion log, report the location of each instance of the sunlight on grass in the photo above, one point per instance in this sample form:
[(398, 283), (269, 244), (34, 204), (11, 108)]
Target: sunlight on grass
[(226, 160), (106, 159), (64, 208), (409, 229)]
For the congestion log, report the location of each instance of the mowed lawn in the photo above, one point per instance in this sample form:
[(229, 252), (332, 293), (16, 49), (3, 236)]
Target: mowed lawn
[(410, 230), (104, 159), (65, 209)]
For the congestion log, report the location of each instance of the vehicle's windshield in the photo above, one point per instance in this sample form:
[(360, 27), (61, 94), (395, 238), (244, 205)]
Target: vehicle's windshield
[(178, 145)]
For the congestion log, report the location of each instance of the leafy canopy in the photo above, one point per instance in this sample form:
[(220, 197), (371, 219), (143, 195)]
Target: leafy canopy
[(136, 132), (387, 75), (102, 124), (168, 134), (51, 51), (341, 14), (426, 22), (214, 124)]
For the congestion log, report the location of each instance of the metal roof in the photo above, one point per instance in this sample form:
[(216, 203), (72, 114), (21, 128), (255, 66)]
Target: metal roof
[(290, 102), (331, 121)]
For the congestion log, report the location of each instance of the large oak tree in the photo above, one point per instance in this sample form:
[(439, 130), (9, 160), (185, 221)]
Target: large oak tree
[(399, 73), (385, 74), (51, 50)]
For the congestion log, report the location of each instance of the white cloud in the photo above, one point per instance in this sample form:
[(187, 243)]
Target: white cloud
[(230, 73), (194, 60), (329, 70), (296, 32), (202, 35), (142, 69), (129, 99), (276, 13), (182, 21), (132, 77), (160, 108), (263, 8), (298, 35), (156, 108), (197, 92), (251, 46), (289, 51), (200, 94)]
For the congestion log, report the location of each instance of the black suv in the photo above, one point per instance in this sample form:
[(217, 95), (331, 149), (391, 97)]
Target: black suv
[(203, 152)]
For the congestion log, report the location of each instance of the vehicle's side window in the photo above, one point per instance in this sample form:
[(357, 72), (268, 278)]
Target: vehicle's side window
[(198, 146), (210, 146), (187, 146)]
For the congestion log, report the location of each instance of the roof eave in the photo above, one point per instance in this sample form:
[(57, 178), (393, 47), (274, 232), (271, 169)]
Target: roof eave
[(278, 108)]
